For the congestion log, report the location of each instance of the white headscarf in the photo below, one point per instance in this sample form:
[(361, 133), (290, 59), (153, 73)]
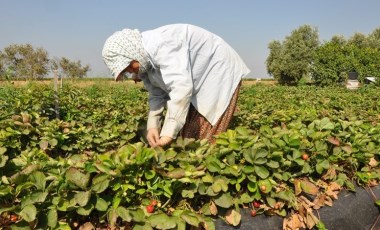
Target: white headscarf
[(121, 48)]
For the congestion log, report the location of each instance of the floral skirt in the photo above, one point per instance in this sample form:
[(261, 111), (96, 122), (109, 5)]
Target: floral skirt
[(198, 127)]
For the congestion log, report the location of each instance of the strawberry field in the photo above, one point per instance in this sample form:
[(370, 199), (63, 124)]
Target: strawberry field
[(289, 152)]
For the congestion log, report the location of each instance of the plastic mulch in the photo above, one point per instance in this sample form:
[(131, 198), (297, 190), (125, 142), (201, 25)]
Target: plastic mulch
[(351, 211)]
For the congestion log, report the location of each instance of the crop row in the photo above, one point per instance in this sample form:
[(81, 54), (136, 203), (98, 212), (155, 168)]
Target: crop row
[(289, 151)]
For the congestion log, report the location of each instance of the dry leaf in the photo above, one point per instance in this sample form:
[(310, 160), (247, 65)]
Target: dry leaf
[(328, 201), (373, 183), (311, 220), (293, 222), (333, 190), (305, 202), (334, 141), (233, 217), (213, 209), (319, 201), (373, 162), (347, 149), (87, 226), (330, 174)]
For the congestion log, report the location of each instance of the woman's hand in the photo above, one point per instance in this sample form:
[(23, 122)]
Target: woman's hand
[(164, 141), (153, 137)]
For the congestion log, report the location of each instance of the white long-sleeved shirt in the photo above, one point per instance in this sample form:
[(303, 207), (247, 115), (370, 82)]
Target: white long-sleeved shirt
[(190, 65)]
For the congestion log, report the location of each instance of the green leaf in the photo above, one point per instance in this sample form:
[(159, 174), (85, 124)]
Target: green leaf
[(260, 161), (2, 150), (207, 178), (23, 225), (144, 226), (249, 155), (261, 171), (245, 198), (252, 186), (52, 216), (3, 160), (261, 153), (273, 164), (138, 215), (162, 221), (101, 204), (28, 213), (124, 214), (53, 142), (100, 183), (86, 210), (78, 178), (325, 124), (150, 174), (220, 183), (39, 180), (6, 209), (190, 218), (377, 202), (224, 200), (214, 165), (82, 198), (209, 223)]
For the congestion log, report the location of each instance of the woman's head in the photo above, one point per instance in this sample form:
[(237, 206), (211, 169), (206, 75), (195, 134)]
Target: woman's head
[(123, 47)]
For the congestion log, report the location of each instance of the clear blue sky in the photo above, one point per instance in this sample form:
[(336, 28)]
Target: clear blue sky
[(77, 29)]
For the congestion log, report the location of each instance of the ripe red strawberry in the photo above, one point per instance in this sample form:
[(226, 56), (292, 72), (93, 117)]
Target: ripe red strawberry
[(256, 204), (13, 218), (305, 156), (150, 208), (253, 212)]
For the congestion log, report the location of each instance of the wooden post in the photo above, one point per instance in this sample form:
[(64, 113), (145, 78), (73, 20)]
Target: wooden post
[(61, 81), (56, 101)]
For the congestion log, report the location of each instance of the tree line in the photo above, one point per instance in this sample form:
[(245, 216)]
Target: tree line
[(24, 62), (302, 57)]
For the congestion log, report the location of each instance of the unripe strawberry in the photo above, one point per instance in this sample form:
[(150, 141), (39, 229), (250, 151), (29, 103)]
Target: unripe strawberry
[(153, 202)]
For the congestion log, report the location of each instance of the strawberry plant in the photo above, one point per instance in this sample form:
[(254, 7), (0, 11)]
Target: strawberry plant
[(281, 157)]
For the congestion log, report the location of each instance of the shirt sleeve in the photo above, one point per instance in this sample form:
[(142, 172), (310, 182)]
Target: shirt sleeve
[(157, 101), (173, 60)]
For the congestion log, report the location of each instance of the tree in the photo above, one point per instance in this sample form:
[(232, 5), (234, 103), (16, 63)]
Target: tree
[(25, 61), (72, 69), (374, 39), (359, 40), (333, 61), (274, 61), (290, 61), (329, 64), (338, 39)]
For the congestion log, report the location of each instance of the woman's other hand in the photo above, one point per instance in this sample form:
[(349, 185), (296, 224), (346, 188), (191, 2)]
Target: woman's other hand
[(153, 137), (164, 141)]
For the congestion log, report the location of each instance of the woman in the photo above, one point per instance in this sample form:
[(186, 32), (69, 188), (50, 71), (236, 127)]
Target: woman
[(190, 71)]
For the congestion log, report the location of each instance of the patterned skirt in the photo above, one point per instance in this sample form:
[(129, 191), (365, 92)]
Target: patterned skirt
[(198, 127)]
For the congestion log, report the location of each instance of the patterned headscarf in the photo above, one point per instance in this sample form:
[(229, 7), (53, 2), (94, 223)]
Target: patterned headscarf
[(121, 48)]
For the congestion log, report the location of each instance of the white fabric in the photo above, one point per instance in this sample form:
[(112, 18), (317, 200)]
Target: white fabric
[(121, 48), (190, 65)]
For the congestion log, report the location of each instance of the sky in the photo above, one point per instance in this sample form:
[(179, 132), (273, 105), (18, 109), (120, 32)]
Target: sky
[(77, 29)]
